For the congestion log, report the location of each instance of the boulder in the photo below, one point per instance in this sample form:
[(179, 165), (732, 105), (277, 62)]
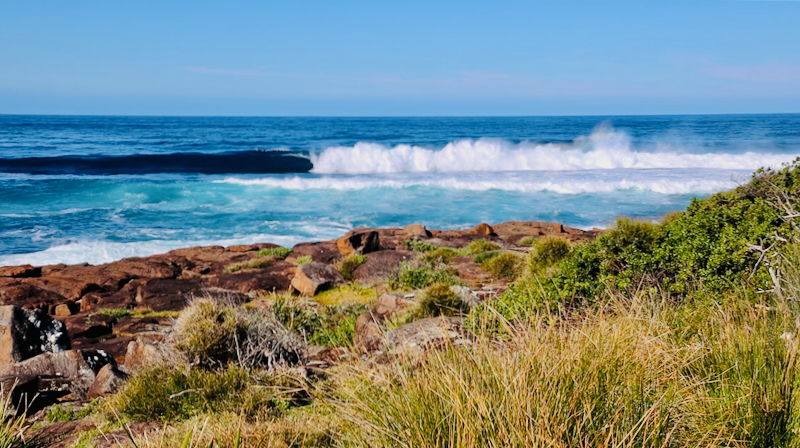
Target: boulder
[(28, 333), (483, 229), (91, 326), (66, 309), (20, 271), (425, 334), (381, 265), (313, 278), (369, 326), (107, 381), (14, 292), (359, 242), (417, 230), (74, 370), (320, 252), (143, 353), (466, 295)]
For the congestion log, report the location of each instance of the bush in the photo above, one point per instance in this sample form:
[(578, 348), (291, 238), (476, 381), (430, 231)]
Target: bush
[(168, 393), (255, 263), (349, 264), (547, 252), (419, 246), (438, 300), (280, 252), (480, 258), (332, 326), (504, 266), (478, 247), (415, 276), (441, 255), (210, 333)]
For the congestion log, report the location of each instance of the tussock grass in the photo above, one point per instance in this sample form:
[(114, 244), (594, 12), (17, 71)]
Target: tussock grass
[(349, 264), (280, 252), (639, 372), (352, 294), (255, 263), (504, 266), (478, 247), (305, 259)]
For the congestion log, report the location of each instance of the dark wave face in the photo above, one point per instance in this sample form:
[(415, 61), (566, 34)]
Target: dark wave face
[(243, 162)]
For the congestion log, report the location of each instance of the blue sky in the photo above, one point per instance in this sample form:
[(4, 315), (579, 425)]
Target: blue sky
[(399, 58)]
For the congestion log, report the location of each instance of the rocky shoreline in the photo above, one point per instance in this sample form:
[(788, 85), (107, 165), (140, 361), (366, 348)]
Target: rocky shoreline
[(60, 338)]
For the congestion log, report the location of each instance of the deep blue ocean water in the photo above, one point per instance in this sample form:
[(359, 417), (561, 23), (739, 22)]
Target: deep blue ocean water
[(96, 189)]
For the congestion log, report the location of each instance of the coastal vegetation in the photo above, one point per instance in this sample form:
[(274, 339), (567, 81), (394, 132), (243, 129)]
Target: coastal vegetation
[(682, 332)]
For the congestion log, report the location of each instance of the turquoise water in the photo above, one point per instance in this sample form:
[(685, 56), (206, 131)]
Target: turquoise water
[(96, 189)]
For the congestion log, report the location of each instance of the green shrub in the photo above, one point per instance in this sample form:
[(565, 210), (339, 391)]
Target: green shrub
[(349, 264), (438, 300), (280, 252), (305, 259), (117, 313), (332, 326), (504, 266), (440, 255), (414, 276), (547, 252), (168, 393), (255, 263), (419, 246), (480, 258), (478, 247)]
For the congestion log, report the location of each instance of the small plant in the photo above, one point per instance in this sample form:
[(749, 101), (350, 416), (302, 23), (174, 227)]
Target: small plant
[(349, 264), (148, 312), (116, 313), (438, 300), (255, 263), (305, 259), (280, 252), (478, 247), (12, 424), (480, 258), (504, 266), (547, 252), (332, 326), (419, 246), (347, 295), (414, 276), (440, 255), (60, 413)]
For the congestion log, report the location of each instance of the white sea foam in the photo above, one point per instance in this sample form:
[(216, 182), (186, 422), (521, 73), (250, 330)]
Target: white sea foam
[(603, 149), (696, 183)]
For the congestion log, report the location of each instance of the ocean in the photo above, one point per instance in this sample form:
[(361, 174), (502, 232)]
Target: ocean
[(77, 189)]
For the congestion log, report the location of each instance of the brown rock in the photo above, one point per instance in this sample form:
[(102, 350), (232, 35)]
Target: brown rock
[(417, 230), (20, 271), (382, 264), (28, 333), (273, 278), (313, 278), (66, 309), (424, 335), (369, 326), (483, 229), (142, 354), (359, 242), (107, 381), (320, 252), (73, 369), (91, 326), (13, 292)]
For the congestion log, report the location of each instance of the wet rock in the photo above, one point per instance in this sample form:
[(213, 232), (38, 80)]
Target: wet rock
[(359, 242), (28, 333), (314, 278), (107, 381)]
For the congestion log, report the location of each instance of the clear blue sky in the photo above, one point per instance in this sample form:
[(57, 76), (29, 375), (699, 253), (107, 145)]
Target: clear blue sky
[(399, 58)]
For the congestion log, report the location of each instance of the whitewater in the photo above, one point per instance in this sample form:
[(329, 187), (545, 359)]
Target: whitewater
[(97, 189)]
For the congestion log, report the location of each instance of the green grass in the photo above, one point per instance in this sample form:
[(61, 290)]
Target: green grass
[(117, 313), (504, 266), (280, 252), (419, 246), (437, 300), (349, 264), (305, 259), (478, 247), (255, 263), (440, 256), (329, 325), (413, 276)]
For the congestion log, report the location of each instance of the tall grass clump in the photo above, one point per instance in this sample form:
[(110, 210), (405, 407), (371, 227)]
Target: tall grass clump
[(478, 247), (504, 266), (415, 275), (255, 263), (642, 372), (438, 300), (280, 252), (349, 264), (13, 425)]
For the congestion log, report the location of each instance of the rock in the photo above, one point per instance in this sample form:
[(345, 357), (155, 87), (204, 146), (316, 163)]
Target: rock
[(369, 326), (20, 271), (321, 357), (358, 242), (107, 381), (466, 295), (381, 265), (424, 335), (13, 292), (66, 309), (483, 229), (313, 278), (91, 326), (273, 278), (142, 353), (71, 369), (320, 252), (28, 333), (417, 230)]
